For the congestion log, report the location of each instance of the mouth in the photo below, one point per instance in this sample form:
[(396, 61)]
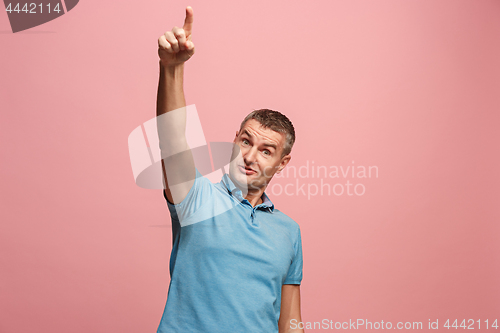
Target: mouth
[(246, 170)]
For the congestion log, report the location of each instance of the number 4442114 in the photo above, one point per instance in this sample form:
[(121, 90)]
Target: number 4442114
[(469, 324), (32, 8)]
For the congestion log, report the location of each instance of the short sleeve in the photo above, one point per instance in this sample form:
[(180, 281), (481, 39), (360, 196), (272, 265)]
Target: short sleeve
[(198, 194), (294, 275)]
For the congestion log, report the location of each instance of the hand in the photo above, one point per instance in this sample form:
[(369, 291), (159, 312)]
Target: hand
[(175, 47)]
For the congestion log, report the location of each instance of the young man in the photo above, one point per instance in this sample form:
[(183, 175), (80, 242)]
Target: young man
[(236, 261)]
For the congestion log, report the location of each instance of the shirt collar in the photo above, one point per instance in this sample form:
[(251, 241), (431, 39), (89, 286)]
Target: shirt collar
[(234, 190)]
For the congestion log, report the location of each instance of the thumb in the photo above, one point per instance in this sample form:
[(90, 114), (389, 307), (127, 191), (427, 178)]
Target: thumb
[(189, 47)]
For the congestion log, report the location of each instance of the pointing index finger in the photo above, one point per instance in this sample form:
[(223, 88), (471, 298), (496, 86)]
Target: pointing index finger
[(188, 22)]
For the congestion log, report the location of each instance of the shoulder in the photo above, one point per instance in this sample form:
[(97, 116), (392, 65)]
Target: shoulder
[(283, 216), (287, 220), (292, 229)]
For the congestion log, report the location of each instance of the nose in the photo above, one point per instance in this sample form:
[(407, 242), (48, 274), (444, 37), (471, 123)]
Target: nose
[(249, 156)]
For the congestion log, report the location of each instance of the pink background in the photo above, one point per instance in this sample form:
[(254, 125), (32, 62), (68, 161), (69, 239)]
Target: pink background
[(411, 87)]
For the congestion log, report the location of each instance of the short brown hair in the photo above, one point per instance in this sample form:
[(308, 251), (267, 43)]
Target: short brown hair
[(277, 122)]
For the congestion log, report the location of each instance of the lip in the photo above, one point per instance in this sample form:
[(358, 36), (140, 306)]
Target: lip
[(246, 171)]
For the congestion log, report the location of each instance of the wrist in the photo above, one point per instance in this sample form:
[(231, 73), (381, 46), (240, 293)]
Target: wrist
[(171, 69)]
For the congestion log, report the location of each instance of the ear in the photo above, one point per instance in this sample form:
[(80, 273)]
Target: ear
[(236, 136), (284, 161)]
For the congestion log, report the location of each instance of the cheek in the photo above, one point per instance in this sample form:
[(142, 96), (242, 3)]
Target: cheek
[(235, 152), (269, 169)]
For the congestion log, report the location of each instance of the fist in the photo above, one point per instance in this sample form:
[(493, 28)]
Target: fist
[(175, 46)]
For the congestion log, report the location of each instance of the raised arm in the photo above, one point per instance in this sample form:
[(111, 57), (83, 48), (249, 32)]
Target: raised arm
[(175, 47)]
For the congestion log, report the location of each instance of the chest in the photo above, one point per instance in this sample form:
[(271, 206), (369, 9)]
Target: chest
[(240, 241)]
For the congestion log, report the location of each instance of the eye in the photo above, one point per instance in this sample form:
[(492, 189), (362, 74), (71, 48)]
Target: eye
[(245, 142), (267, 152)]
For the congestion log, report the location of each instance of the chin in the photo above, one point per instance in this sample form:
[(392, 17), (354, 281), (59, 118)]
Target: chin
[(237, 177)]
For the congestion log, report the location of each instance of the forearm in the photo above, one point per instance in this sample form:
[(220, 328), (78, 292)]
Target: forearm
[(295, 331), (290, 326), (170, 89), (290, 320)]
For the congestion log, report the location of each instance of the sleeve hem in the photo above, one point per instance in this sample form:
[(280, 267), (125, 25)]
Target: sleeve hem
[(293, 282)]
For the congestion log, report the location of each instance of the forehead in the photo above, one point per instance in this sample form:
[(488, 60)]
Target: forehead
[(255, 129)]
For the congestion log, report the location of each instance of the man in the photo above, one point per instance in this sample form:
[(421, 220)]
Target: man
[(236, 262)]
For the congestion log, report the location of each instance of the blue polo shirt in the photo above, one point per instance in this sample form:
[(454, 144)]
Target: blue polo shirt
[(229, 261)]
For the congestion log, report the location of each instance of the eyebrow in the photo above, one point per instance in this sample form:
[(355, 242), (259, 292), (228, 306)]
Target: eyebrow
[(272, 145)]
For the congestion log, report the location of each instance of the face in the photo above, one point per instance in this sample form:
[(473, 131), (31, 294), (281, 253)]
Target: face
[(257, 156)]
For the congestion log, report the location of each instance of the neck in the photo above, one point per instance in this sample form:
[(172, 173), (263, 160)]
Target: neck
[(255, 198)]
